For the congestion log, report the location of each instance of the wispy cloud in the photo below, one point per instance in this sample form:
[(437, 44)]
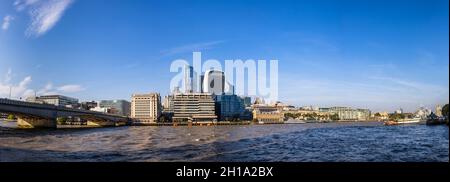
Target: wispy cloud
[(70, 88), (191, 47), (44, 14), (6, 22), (410, 84), (8, 75)]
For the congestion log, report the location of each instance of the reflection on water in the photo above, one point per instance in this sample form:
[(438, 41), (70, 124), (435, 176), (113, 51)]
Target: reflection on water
[(298, 142)]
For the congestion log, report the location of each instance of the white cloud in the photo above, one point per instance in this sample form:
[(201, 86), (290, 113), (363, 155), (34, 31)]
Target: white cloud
[(70, 88), (191, 48), (44, 14), (6, 22), (22, 90)]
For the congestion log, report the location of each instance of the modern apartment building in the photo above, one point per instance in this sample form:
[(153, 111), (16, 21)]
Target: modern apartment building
[(194, 107), (146, 108)]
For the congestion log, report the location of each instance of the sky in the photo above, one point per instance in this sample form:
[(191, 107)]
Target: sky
[(376, 54)]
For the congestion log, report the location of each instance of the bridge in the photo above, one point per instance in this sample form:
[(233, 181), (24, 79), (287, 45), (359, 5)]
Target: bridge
[(35, 115)]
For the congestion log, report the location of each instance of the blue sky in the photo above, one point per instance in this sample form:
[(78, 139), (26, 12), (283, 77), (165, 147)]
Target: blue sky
[(374, 54)]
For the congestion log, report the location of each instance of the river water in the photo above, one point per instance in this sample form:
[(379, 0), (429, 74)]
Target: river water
[(317, 142)]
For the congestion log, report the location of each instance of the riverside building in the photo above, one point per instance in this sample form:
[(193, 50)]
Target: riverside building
[(194, 107), (146, 108)]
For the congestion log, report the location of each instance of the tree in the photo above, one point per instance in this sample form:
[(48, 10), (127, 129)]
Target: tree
[(445, 111), (334, 117), (61, 120), (11, 117)]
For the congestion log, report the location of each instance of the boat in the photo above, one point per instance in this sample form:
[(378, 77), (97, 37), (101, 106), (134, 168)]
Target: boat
[(403, 121), (433, 119), (409, 121), (390, 123)]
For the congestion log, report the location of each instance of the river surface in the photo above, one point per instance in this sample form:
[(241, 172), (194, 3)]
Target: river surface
[(316, 142)]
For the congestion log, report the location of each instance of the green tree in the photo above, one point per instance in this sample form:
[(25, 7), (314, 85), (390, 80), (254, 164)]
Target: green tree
[(334, 117), (11, 117), (445, 111), (61, 120)]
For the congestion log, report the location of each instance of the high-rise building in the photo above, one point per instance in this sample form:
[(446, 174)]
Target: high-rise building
[(194, 107), (119, 107), (438, 110), (190, 80), (213, 82), (168, 104), (57, 100), (146, 108)]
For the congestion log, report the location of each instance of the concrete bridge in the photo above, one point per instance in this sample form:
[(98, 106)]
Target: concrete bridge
[(34, 115)]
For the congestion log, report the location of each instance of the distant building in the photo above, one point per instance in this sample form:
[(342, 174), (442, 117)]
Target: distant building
[(399, 111), (267, 114), (189, 79), (422, 112), (119, 107), (168, 104), (89, 105), (194, 107), (146, 108), (57, 100), (347, 113), (439, 111), (213, 82), (103, 110), (247, 101)]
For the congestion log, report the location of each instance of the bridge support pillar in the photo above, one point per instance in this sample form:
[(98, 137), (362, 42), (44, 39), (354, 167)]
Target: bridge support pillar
[(100, 123), (31, 122)]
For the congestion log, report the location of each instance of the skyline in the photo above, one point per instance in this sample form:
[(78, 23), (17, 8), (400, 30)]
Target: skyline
[(380, 55)]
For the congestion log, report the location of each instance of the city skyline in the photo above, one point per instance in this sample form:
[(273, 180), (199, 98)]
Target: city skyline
[(391, 55)]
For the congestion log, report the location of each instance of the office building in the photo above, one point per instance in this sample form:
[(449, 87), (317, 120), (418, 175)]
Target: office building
[(146, 108), (194, 107), (229, 107), (57, 100)]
